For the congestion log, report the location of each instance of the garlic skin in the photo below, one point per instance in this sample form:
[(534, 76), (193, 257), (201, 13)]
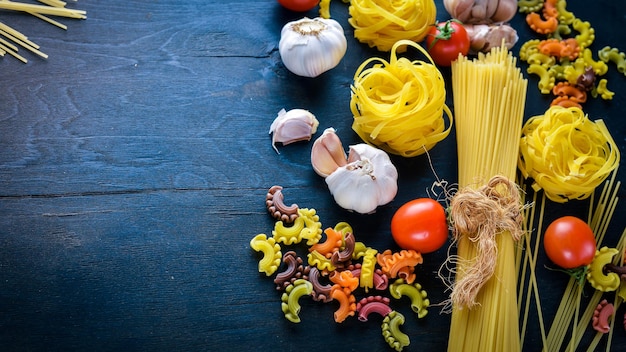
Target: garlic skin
[(310, 47), (293, 126), (327, 153), (366, 182)]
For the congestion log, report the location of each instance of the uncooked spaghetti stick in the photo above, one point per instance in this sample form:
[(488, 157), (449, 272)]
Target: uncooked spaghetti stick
[(49, 20), (42, 9)]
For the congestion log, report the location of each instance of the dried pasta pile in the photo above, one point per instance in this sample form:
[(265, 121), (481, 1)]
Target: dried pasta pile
[(381, 23), (399, 105), (11, 40)]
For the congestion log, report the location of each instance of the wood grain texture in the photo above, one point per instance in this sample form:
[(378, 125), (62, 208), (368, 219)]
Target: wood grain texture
[(134, 164)]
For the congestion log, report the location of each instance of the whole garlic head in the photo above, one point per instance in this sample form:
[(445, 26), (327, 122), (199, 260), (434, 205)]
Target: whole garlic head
[(310, 47), (481, 11), (366, 182)]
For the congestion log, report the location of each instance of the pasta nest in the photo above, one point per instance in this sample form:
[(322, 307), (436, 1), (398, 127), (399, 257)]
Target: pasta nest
[(381, 23), (399, 105), (566, 154)]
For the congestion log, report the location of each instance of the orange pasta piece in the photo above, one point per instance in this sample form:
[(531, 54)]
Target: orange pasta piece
[(333, 242), (345, 279), (565, 89), (347, 303), (541, 26)]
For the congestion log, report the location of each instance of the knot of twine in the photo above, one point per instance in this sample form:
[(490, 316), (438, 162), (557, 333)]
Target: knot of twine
[(481, 214)]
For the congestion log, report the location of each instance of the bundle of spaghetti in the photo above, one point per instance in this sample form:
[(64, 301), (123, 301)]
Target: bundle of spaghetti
[(566, 154), (54, 8), (381, 23), (489, 100), (399, 105)]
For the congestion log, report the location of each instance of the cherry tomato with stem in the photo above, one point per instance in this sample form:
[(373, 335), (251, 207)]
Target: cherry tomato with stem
[(299, 5), (446, 40), (569, 242), (420, 225)]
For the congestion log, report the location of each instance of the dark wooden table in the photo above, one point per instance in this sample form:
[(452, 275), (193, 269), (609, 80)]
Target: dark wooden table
[(134, 164)]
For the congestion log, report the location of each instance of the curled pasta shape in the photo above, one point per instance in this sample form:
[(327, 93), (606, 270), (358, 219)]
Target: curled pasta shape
[(564, 89), (342, 256), (332, 244), (312, 232), (529, 48), (400, 263), (392, 333), (526, 6), (359, 250), (599, 67), (290, 299), (347, 303), (586, 34), (565, 17), (541, 26), (399, 105), (321, 292), (566, 154), (343, 227), (274, 201), (294, 270), (381, 23), (600, 320), (546, 79), (271, 253), (602, 90), (608, 54), (368, 268), (320, 261), (596, 275), (373, 304), (288, 234), (345, 280), (418, 296)]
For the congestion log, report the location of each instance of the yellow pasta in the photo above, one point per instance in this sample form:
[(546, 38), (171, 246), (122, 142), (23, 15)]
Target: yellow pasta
[(381, 23), (489, 101), (566, 154), (399, 105)]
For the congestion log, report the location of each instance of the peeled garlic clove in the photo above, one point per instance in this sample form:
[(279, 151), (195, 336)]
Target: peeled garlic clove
[(293, 126), (367, 182), (327, 153)]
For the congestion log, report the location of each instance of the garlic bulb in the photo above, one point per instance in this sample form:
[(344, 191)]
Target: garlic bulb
[(293, 126), (484, 37), (327, 153), (367, 181), (481, 11), (310, 47)]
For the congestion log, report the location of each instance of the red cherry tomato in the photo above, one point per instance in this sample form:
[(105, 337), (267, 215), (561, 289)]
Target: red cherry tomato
[(421, 225), (299, 5), (569, 242), (446, 40)]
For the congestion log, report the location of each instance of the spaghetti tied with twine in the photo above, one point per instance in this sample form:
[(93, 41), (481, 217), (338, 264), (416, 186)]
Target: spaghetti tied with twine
[(481, 214)]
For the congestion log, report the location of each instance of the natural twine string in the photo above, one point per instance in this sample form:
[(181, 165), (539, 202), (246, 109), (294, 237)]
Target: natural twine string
[(480, 214)]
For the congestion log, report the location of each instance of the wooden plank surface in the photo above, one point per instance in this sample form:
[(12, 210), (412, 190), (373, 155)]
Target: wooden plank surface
[(134, 164)]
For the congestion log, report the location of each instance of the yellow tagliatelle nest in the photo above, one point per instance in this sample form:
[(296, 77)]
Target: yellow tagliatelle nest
[(566, 154), (399, 105), (381, 23)]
